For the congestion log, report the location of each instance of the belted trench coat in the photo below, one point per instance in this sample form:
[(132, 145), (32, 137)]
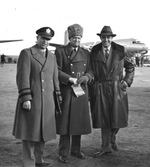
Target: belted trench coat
[(108, 94), (37, 78), (75, 118)]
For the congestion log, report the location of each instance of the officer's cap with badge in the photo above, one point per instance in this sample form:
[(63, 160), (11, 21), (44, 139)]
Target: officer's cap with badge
[(75, 30), (46, 32)]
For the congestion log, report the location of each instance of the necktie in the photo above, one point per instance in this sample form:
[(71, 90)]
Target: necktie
[(106, 54), (73, 53)]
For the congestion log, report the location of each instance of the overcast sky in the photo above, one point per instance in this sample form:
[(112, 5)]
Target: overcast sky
[(21, 18)]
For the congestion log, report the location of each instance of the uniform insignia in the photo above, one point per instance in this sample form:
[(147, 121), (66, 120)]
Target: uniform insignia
[(48, 30)]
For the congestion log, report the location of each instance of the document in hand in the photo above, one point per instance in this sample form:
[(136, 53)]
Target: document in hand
[(78, 90)]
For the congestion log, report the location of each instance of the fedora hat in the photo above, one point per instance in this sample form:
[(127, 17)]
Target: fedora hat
[(106, 30)]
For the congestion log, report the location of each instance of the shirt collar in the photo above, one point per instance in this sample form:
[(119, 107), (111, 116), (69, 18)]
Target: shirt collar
[(76, 49), (106, 48)]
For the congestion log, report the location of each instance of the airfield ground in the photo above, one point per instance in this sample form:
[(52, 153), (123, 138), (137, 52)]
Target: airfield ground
[(134, 141)]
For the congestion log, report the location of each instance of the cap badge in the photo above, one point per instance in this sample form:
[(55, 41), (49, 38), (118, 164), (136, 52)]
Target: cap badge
[(48, 31)]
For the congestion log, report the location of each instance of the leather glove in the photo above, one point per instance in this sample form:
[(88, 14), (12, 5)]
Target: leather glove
[(58, 94), (83, 79), (58, 101)]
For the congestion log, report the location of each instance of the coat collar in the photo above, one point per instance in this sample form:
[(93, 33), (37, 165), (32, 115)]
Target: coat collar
[(117, 49), (37, 55), (76, 57), (68, 51), (117, 54)]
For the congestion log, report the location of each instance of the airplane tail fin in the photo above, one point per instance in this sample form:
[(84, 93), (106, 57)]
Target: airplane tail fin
[(66, 38)]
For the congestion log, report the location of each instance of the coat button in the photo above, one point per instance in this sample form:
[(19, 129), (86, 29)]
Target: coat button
[(42, 80), (72, 72), (43, 90)]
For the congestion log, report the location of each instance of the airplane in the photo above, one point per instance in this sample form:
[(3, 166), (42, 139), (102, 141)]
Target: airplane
[(132, 46)]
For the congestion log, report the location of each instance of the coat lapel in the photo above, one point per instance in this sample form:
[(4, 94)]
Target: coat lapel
[(115, 59), (68, 51), (48, 61), (116, 55), (99, 56), (75, 56), (37, 55), (79, 56)]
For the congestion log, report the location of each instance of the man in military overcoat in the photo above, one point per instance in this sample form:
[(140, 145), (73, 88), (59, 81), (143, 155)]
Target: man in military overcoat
[(37, 79), (74, 68)]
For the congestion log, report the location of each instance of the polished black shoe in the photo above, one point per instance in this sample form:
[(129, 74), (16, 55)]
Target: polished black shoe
[(43, 164), (100, 153), (63, 159), (114, 146), (78, 155)]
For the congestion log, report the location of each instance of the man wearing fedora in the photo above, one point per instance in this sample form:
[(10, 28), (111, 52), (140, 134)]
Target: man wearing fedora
[(108, 94), (74, 69), (37, 79)]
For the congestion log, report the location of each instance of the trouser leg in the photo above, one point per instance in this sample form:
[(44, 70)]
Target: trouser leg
[(114, 131), (64, 145), (28, 153), (38, 151), (106, 138), (76, 143)]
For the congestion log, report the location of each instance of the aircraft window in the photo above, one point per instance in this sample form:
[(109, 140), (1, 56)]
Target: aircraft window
[(136, 42)]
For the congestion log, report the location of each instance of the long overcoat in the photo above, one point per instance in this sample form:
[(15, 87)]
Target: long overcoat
[(37, 78), (108, 94), (75, 118)]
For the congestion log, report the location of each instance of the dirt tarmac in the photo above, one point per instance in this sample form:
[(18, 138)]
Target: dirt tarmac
[(133, 141)]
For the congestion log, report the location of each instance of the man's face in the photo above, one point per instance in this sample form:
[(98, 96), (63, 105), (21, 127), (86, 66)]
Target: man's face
[(75, 41), (106, 40), (43, 42)]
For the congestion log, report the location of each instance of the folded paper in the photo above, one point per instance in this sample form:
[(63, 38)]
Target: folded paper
[(78, 90)]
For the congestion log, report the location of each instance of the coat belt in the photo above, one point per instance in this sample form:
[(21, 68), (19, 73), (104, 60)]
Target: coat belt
[(106, 79)]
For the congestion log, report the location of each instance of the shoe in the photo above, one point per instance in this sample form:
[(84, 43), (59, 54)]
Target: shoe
[(42, 164), (99, 153), (114, 147), (63, 159), (78, 155)]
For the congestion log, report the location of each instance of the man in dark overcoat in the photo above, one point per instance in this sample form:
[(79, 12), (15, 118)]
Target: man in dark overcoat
[(37, 79), (74, 68), (108, 94)]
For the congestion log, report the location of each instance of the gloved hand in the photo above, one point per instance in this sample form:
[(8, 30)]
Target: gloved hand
[(58, 94), (124, 85), (83, 79), (73, 80), (58, 101)]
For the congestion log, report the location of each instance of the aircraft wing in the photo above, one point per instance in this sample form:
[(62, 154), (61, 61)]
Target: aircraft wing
[(55, 45), (15, 40)]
